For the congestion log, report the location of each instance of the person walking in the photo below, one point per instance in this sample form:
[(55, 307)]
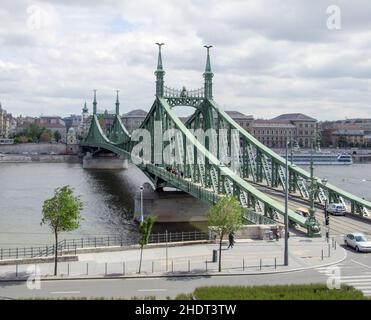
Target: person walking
[(231, 240)]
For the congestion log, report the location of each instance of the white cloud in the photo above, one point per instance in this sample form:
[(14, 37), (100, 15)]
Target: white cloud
[(269, 56)]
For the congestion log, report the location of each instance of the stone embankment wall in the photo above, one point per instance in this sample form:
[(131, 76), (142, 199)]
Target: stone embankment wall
[(48, 158), (39, 148)]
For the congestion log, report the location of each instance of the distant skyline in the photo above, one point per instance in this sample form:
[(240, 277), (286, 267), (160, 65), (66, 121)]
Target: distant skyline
[(269, 57)]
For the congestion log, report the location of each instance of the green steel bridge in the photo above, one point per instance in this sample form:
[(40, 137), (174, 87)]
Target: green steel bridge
[(226, 160)]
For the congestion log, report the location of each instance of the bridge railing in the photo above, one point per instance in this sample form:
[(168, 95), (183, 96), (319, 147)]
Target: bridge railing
[(256, 218), (70, 246)]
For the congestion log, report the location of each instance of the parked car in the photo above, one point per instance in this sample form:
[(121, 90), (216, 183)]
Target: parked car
[(358, 241), (336, 209)]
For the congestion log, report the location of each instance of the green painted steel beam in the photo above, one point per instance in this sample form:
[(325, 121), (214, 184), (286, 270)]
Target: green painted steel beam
[(280, 160), (229, 173)]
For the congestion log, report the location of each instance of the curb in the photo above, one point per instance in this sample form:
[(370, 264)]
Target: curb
[(214, 274)]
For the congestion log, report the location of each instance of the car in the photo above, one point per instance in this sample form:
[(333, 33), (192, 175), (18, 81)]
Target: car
[(358, 241), (302, 211), (336, 209)]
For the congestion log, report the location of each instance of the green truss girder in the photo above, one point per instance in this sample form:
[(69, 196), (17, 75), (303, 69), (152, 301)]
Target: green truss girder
[(294, 171), (97, 139), (238, 182)]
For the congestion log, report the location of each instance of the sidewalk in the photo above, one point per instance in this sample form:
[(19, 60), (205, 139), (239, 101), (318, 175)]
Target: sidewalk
[(247, 257)]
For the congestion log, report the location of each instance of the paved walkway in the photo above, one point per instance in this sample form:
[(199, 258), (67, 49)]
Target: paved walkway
[(247, 257)]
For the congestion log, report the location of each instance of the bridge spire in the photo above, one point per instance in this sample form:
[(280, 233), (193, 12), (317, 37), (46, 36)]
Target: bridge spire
[(117, 103), (159, 73), (208, 76), (95, 102)]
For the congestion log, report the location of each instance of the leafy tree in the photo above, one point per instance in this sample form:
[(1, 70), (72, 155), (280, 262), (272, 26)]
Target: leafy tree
[(21, 139), (225, 217), (34, 132), (145, 229), (57, 136), (46, 136), (62, 214)]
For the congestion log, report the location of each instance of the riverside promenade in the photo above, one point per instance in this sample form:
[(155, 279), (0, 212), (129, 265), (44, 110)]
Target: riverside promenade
[(184, 259)]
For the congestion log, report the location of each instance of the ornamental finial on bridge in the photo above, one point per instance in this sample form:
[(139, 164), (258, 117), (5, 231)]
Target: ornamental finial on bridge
[(95, 102), (159, 73), (208, 75), (159, 61), (208, 66), (117, 102)]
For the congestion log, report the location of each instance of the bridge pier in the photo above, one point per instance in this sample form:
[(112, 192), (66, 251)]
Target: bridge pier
[(103, 162), (169, 206)]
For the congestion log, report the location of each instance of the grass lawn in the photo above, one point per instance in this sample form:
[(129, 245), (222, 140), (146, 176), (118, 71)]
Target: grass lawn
[(279, 292)]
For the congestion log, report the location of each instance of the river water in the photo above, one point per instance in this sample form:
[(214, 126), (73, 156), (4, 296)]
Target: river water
[(108, 197)]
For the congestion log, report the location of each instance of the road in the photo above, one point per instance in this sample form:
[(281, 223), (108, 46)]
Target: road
[(339, 225), (355, 270)]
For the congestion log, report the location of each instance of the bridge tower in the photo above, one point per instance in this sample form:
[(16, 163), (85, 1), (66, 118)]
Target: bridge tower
[(159, 73)]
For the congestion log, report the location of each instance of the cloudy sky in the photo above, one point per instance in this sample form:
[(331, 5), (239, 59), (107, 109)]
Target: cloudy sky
[(269, 56)]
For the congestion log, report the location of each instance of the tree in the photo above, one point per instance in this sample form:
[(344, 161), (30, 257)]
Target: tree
[(225, 217), (46, 136), (57, 136), (145, 229), (62, 214), (34, 132)]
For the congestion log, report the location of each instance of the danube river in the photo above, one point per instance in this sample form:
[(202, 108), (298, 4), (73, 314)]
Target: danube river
[(108, 197)]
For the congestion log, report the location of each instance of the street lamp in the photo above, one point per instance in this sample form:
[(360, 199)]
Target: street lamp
[(327, 218), (141, 204), (286, 252), (313, 226)]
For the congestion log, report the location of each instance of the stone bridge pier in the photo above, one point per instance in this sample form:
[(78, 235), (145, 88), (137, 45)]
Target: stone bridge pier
[(169, 206), (103, 161)]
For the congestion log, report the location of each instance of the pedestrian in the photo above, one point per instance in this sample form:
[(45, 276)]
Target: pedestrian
[(231, 240), (277, 234)]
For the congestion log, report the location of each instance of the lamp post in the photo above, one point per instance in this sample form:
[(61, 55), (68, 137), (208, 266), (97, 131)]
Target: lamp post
[(327, 218), (312, 223), (286, 252), (141, 204)]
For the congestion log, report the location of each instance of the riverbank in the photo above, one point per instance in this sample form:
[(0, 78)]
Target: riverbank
[(44, 158)]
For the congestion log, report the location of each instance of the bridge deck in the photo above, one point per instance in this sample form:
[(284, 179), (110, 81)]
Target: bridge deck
[(338, 224)]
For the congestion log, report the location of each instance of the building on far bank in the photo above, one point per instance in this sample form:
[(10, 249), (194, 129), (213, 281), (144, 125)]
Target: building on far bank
[(245, 121), (346, 133), (6, 123), (272, 133), (53, 123), (133, 119), (350, 138), (306, 127), (73, 121)]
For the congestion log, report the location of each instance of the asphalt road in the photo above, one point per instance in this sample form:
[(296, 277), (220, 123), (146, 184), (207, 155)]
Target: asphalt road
[(355, 270), (339, 225)]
